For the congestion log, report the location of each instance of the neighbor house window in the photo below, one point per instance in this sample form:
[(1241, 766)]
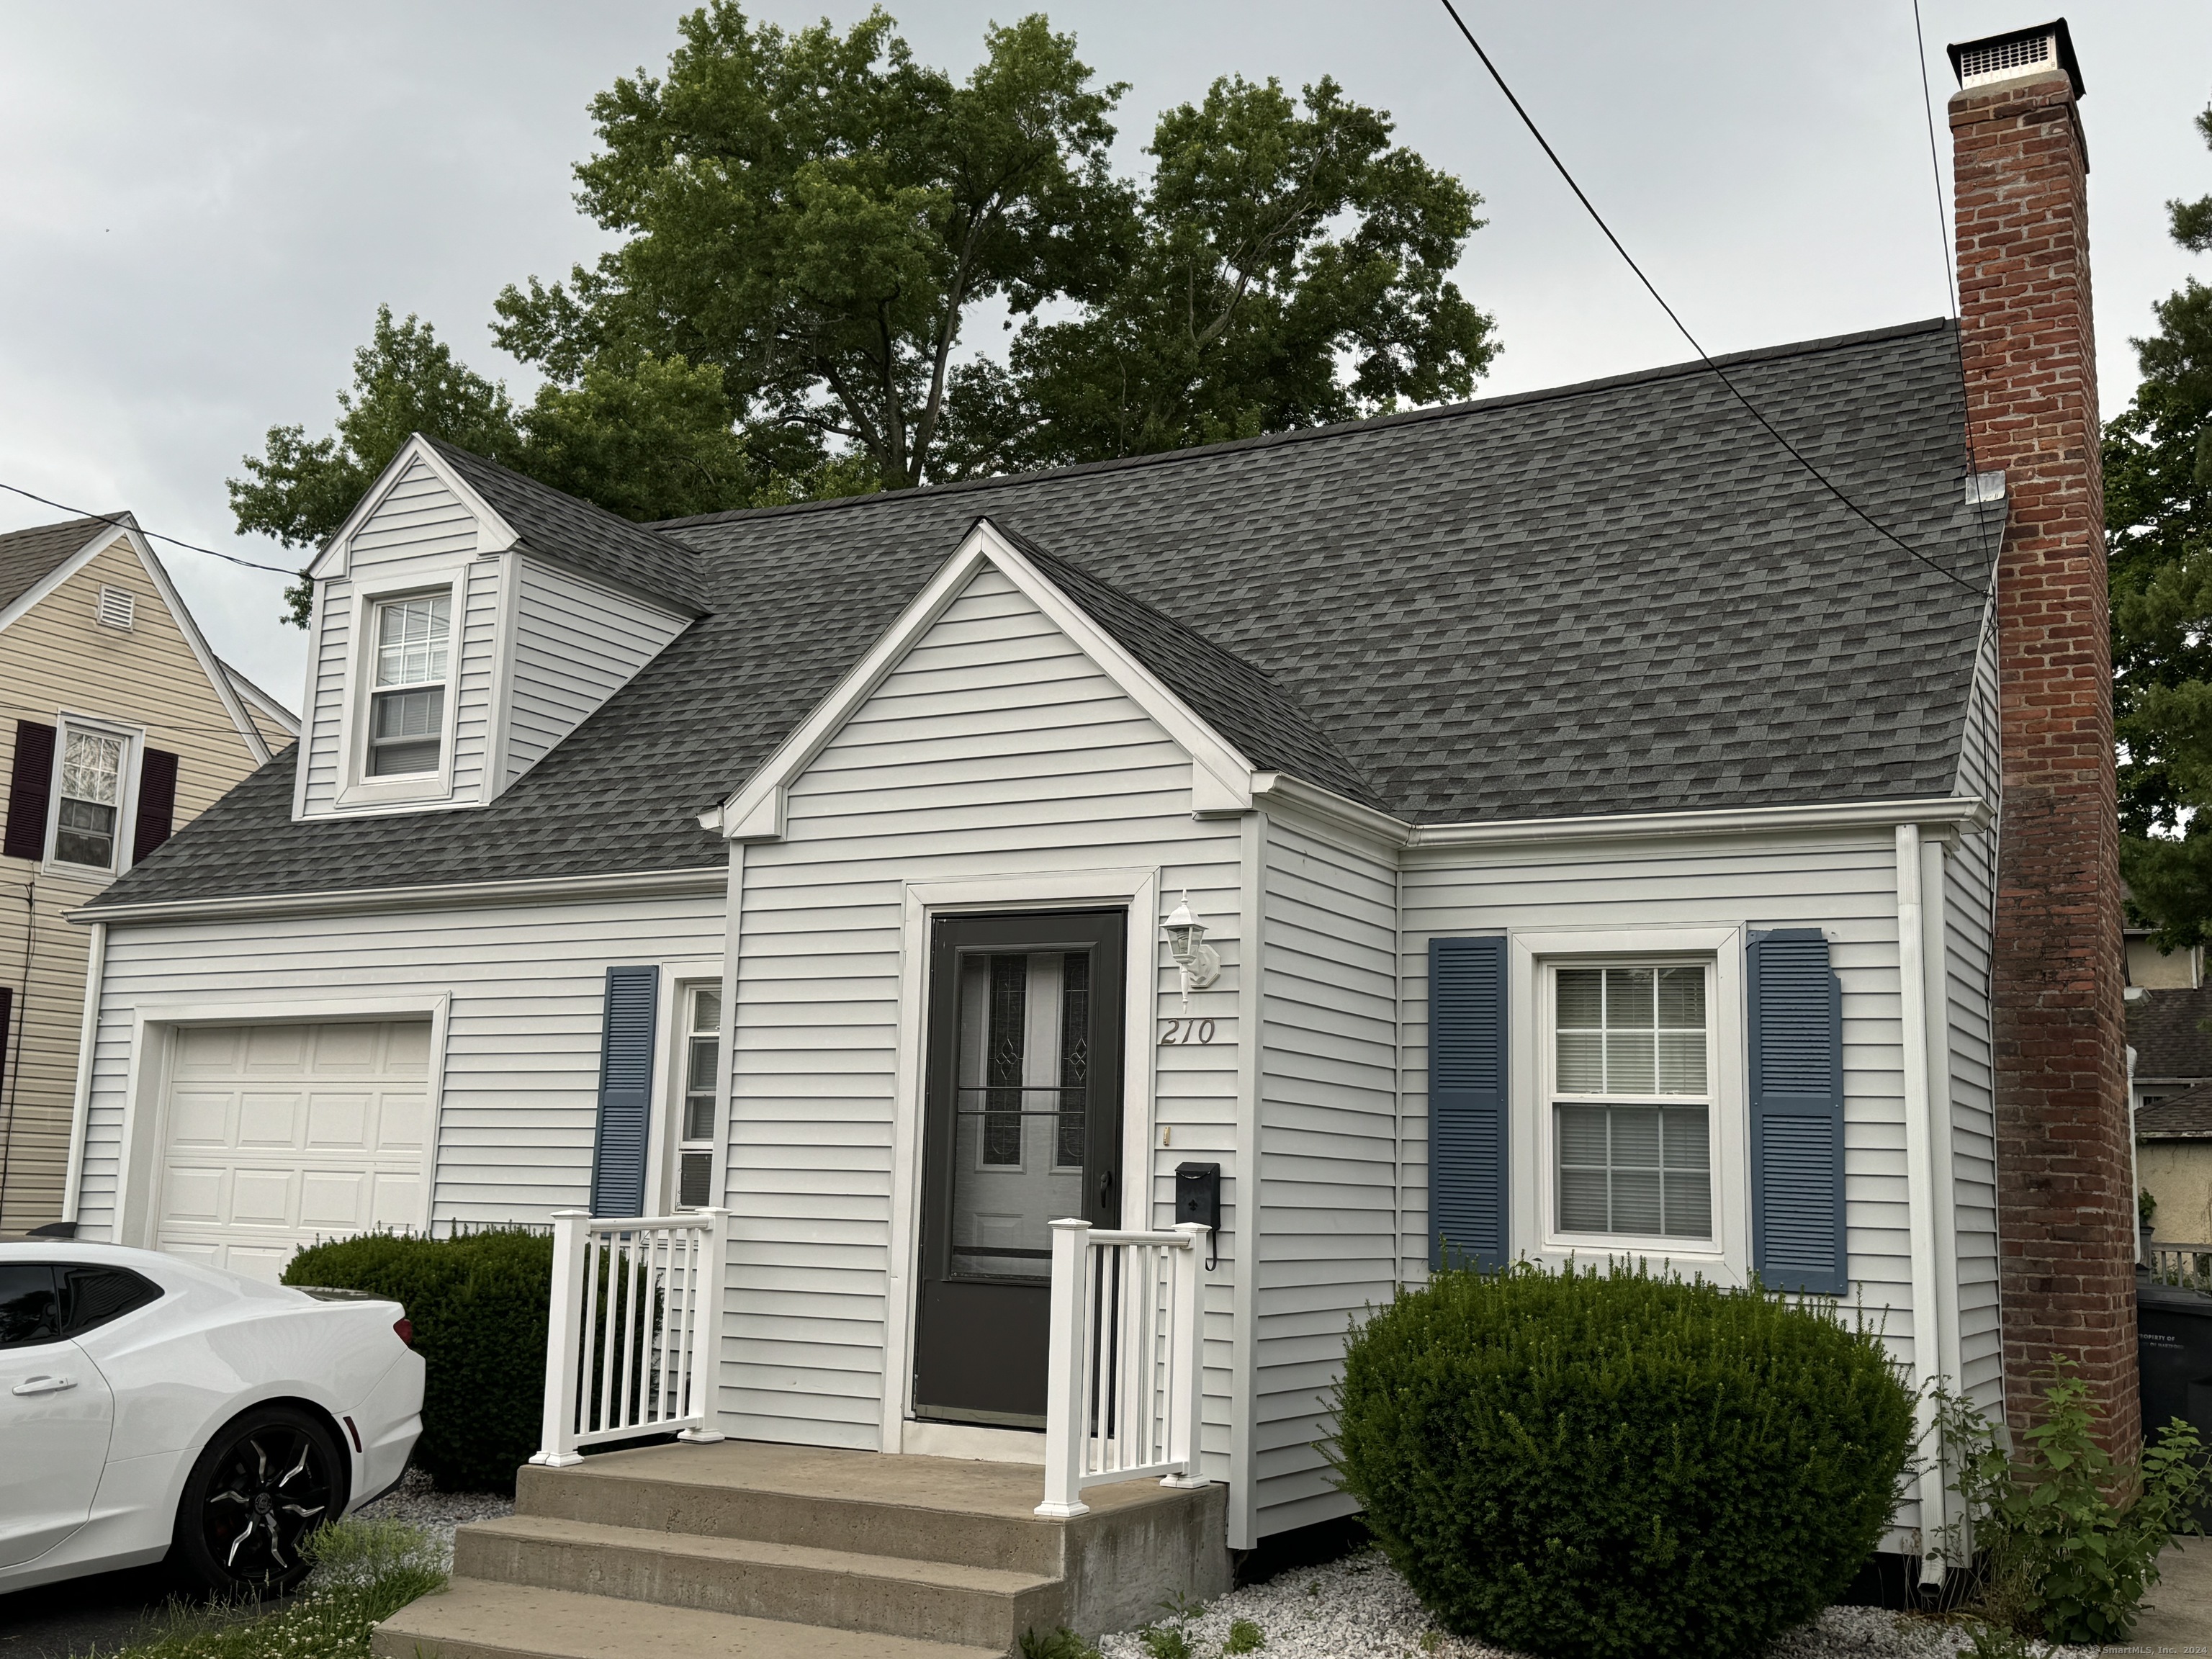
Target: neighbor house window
[(1632, 1100), (702, 1054), (89, 800), (407, 706)]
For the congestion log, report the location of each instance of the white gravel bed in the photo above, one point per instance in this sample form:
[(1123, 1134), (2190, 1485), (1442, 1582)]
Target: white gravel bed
[(419, 1504), (1360, 1609)]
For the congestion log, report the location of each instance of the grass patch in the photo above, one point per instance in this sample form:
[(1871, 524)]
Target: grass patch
[(365, 1572)]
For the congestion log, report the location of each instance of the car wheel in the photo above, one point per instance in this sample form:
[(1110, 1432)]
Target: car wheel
[(266, 1481)]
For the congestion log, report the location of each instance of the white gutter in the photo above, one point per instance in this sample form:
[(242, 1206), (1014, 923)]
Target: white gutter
[(1920, 1136), (644, 884), (95, 968)]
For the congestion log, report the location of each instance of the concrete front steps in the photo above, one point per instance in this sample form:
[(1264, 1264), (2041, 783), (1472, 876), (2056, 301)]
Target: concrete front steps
[(747, 1551)]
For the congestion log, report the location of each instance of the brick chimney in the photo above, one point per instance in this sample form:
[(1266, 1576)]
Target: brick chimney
[(2066, 1220)]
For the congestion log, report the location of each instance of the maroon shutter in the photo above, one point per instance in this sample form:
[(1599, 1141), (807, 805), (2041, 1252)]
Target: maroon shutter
[(157, 802), (30, 791)]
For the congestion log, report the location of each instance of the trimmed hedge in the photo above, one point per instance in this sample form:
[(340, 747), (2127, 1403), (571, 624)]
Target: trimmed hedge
[(1617, 1464), (478, 1304)]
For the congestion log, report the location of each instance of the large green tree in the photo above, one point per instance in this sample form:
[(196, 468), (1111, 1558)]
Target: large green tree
[(1289, 266), (2158, 509), (650, 437), (818, 215), (812, 226)]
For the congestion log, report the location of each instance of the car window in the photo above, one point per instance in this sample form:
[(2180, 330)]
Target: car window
[(91, 1296), (29, 1307)]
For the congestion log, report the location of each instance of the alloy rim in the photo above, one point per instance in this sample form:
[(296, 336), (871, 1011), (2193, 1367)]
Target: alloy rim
[(270, 1490)]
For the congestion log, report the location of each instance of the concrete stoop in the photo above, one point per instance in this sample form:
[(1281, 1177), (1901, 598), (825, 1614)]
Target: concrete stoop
[(747, 1551)]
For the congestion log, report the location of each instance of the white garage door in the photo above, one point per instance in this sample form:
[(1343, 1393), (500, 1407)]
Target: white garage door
[(279, 1134)]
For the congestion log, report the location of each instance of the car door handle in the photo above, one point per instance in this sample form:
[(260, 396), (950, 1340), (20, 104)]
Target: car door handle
[(45, 1385)]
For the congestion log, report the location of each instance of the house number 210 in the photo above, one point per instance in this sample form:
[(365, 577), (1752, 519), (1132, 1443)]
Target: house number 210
[(1181, 1031)]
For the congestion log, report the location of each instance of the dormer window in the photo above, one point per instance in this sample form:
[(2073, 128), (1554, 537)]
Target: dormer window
[(407, 706)]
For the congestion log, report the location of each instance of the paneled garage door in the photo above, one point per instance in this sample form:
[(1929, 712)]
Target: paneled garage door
[(278, 1134)]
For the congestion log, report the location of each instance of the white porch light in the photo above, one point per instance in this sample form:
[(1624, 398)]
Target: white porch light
[(1200, 962)]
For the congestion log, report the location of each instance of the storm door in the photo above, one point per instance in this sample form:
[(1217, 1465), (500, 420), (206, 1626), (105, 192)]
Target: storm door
[(1022, 1126)]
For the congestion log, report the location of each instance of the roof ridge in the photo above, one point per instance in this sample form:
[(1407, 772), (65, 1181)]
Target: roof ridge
[(1334, 429), (650, 527)]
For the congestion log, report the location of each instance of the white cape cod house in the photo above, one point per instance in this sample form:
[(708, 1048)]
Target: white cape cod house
[(1591, 819)]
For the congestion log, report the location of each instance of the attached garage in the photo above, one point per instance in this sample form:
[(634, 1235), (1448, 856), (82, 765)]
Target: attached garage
[(277, 1134)]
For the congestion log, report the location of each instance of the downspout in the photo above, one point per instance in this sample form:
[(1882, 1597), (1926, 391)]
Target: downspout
[(95, 968), (1920, 1138), (1935, 917)]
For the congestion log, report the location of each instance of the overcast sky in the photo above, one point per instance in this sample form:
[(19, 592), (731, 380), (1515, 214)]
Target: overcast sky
[(204, 205)]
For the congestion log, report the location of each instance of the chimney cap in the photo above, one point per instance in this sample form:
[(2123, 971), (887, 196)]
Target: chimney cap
[(2017, 52)]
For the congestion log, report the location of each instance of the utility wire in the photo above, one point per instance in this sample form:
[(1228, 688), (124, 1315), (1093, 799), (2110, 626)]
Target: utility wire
[(1705, 356), (125, 524)]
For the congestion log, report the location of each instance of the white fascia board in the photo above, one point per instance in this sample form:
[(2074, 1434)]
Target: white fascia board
[(1953, 813), (1221, 778), (494, 533), (255, 698), (712, 880)]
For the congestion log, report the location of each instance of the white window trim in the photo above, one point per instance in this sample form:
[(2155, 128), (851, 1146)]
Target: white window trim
[(126, 792), (1727, 1256), (356, 789), (666, 1162)]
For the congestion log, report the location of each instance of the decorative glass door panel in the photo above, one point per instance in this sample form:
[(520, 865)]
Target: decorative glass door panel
[(1023, 1126)]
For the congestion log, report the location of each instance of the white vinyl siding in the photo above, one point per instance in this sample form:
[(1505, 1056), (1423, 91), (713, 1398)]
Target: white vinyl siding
[(995, 747), (1845, 884), (1328, 1151), (1969, 893), (527, 985), (575, 646)]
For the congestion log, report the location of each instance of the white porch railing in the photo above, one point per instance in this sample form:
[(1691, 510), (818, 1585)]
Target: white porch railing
[(1126, 1373), (636, 1324)]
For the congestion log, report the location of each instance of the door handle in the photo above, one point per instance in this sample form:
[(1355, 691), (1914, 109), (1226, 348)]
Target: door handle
[(1106, 1191), (45, 1385)]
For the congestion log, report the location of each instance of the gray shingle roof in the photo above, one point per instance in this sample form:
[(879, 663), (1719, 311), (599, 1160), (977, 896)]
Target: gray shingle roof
[(1617, 597), (27, 557), (2184, 1116), (2167, 1029), (582, 537)]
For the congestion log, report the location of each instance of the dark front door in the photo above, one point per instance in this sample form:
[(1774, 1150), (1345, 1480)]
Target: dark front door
[(1022, 1127)]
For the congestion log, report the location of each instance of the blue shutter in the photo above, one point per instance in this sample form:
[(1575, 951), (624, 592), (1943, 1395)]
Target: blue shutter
[(1466, 1103), (1796, 1018), (626, 1050)]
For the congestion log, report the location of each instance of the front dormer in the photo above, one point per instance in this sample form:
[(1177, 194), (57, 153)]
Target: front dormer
[(466, 619)]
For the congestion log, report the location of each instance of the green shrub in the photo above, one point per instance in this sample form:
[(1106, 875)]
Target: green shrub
[(2069, 1539), (478, 1304), (1614, 1463)]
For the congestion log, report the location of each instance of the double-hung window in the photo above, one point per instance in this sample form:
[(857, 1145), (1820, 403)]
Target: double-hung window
[(1632, 1100), (89, 802), (701, 1062), (407, 703)]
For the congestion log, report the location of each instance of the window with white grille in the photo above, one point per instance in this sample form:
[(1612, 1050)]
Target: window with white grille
[(90, 798), (407, 705), (1632, 1098), (702, 1059), (117, 607)]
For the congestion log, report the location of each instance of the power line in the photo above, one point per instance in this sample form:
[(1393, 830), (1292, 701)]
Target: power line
[(1705, 356), (125, 524)]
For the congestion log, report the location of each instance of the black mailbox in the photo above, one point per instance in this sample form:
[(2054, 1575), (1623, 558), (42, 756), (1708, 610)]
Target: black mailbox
[(1198, 1198)]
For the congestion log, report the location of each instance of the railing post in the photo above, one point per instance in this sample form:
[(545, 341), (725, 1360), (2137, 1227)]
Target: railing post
[(563, 1329), (707, 1329), (1187, 1359), (1063, 1400)]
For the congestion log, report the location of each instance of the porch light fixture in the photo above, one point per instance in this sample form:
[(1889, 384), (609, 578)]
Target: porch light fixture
[(1200, 962)]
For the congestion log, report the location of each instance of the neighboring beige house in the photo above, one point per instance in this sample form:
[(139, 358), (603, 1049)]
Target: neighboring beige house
[(119, 726), (2173, 1162)]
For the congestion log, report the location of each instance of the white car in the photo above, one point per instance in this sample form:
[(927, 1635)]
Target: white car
[(153, 1409)]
